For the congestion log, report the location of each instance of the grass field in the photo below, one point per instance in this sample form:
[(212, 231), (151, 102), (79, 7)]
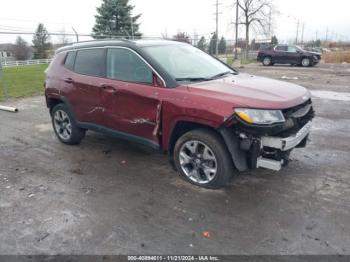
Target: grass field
[(22, 81), (337, 57)]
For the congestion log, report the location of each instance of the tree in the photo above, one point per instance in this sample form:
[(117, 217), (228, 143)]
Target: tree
[(314, 43), (21, 49), (202, 44), (41, 42), (182, 37), (114, 19), (222, 46), (254, 13), (212, 44), (274, 40)]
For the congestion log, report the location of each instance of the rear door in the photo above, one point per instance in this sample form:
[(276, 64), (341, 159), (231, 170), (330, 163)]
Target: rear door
[(131, 96), (89, 72)]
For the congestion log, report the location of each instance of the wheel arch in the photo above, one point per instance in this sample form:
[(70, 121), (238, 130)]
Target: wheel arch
[(238, 156), (52, 101), (184, 126)]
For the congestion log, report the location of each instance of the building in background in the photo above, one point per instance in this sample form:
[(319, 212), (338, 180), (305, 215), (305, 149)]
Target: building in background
[(6, 53)]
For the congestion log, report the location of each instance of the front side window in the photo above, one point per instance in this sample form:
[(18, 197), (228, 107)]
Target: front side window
[(292, 49), (184, 61), (90, 62), (125, 65)]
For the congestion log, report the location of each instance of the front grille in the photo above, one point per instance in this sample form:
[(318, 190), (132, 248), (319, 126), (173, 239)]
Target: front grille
[(290, 111), (299, 115)]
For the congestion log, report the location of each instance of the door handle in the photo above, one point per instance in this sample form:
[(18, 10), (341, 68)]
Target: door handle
[(109, 89), (69, 80)]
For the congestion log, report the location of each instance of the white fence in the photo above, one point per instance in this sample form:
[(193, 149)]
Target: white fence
[(27, 62)]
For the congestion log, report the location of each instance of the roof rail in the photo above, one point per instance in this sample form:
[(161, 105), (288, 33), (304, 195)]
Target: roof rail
[(102, 40)]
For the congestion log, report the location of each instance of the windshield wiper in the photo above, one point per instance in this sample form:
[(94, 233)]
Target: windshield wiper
[(192, 79), (222, 74), (200, 79)]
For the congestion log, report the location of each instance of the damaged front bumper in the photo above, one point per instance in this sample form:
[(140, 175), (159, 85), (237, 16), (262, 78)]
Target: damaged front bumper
[(270, 152), (254, 146), (282, 145)]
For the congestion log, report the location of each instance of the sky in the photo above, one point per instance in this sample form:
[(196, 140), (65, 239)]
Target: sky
[(167, 17)]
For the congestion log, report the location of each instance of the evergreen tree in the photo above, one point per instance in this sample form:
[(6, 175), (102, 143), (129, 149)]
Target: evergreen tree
[(202, 44), (41, 42), (212, 44), (222, 46), (114, 19), (274, 40)]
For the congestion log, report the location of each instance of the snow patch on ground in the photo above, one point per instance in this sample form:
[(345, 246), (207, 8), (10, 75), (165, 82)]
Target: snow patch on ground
[(330, 95)]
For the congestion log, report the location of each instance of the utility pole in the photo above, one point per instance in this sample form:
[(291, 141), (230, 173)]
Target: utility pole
[(327, 35), (217, 28), (302, 34), (236, 45), (270, 22), (297, 37)]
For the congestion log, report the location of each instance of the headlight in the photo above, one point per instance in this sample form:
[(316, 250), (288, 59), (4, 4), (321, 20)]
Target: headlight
[(260, 117)]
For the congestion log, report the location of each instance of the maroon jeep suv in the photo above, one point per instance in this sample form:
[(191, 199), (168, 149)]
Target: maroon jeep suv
[(211, 119)]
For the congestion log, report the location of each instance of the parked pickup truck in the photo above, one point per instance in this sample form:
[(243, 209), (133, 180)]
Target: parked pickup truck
[(288, 54), (212, 120)]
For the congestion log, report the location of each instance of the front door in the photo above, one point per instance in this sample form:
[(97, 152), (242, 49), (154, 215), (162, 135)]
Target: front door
[(280, 54), (292, 56), (130, 96)]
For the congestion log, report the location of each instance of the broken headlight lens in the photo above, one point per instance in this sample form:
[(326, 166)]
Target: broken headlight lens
[(260, 117)]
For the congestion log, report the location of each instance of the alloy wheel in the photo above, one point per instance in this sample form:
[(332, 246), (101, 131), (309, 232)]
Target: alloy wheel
[(267, 61), (63, 125), (198, 162), (305, 62)]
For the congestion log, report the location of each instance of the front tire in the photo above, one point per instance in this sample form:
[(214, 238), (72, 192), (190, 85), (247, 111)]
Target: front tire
[(201, 158), (306, 62), (65, 126)]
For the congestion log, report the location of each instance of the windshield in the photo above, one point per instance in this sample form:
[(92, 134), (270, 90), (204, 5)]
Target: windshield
[(186, 63), (299, 48)]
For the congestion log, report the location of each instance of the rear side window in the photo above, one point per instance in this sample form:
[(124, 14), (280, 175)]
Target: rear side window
[(125, 65), (90, 62), (281, 48), (69, 62)]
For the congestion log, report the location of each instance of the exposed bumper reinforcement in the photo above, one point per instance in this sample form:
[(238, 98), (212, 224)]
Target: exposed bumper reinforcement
[(285, 144)]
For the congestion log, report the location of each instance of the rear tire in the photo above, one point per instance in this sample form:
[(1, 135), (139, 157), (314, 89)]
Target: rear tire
[(267, 61), (201, 157), (65, 126)]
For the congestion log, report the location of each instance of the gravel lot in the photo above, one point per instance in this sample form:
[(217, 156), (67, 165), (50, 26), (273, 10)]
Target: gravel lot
[(112, 197)]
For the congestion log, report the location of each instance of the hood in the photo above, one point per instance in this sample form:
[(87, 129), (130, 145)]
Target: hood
[(244, 90), (313, 53)]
